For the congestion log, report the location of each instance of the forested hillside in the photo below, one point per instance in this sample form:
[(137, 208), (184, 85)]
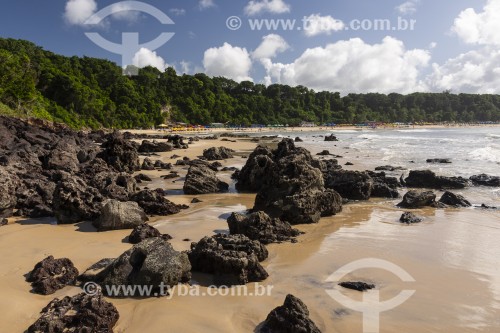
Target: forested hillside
[(88, 92)]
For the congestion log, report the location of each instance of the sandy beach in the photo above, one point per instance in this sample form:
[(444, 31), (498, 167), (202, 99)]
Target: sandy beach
[(451, 256)]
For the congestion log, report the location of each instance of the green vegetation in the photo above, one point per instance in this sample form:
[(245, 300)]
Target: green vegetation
[(87, 92)]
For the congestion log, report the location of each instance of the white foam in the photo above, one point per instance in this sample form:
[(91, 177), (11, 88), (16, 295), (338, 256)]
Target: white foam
[(420, 130), (486, 154)]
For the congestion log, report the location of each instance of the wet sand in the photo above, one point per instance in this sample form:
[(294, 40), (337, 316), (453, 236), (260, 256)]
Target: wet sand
[(452, 255)]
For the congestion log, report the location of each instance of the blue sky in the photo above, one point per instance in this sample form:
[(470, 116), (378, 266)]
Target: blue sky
[(454, 44)]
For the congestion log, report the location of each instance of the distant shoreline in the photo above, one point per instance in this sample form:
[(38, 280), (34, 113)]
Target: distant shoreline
[(201, 131)]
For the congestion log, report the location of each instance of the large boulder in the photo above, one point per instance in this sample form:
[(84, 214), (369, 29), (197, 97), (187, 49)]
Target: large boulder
[(291, 317), (116, 215), (416, 199), (145, 231), (80, 313), (293, 188), (259, 226), (454, 200), (50, 275), (428, 179), (218, 153), (232, 259), (200, 179), (120, 153), (352, 185), (75, 201), (155, 147), (485, 180), (154, 203), (153, 262)]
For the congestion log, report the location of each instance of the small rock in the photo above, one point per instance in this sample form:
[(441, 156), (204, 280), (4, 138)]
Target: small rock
[(455, 200), (80, 313), (409, 218), (359, 286), (145, 231), (439, 160), (50, 275), (291, 317), (331, 138)]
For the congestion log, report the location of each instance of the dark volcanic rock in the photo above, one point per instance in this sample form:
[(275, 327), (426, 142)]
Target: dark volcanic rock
[(218, 153), (152, 262), (75, 201), (259, 226), (324, 153), (252, 176), (50, 275), (8, 185), (154, 147), (34, 198), (112, 185), (485, 180), (154, 203), (120, 153), (415, 199), (388, 168), (331, 138), (383, 186), (292, 188), (142, 178), (116, 215), (232, 259), (147, 164), (200, 179), (297, 139), (439, 160), (352, 185), (64, 156), (409, 218), (90, 273), (455, 200), (145, 231), (80, 313), (428, 179), (291, 317), (359, 286)]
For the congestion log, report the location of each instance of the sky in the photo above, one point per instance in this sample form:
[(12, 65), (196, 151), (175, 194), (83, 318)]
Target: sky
[(354, 46)]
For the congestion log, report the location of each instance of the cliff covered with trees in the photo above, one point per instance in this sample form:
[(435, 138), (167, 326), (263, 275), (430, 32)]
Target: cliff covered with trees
[(88, 92)]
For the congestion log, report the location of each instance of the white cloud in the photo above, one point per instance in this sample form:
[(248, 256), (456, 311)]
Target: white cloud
[(204, 4), (123, 11), (355, 66), (476, 71), (408, 7), (433, 45), (78, 11), (228, 61), (479, 28), (255, 7), (317, 24), (271, 45), (178, 11), (145, 57)]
